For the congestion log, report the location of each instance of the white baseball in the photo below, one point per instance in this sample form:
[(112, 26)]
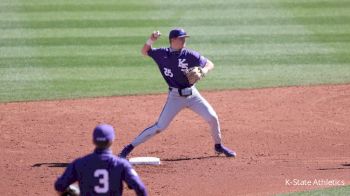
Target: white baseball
[(156, 34)]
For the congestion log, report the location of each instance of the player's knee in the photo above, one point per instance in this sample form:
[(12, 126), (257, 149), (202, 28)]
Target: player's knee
[(212, 119), (160, 127)]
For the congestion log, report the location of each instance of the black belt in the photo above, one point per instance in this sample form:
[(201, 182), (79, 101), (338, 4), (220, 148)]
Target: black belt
[(183, 92)]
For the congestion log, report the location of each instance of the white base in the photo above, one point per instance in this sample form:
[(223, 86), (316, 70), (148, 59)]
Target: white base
[(144, 161)]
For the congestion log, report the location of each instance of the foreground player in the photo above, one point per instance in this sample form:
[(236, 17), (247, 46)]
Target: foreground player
[(101, 172), (174, 63)]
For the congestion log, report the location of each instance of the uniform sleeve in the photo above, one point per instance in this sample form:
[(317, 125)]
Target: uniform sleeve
[(133, 180), (202, 61), (198, 60), (155, 53), (152, 52), (69, 177)]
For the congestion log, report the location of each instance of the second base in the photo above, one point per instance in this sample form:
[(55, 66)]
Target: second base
[(144, 161)]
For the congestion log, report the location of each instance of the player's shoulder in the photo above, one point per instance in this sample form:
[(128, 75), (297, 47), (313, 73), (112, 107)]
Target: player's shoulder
[(188, 51), (122, 161), (162, 49), (82, 159), (78, 162), (121, 164), (118, 161), (155, 52)]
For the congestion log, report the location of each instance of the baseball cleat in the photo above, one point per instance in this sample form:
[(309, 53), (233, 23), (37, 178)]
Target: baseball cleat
[(126, 151), (219, 148)]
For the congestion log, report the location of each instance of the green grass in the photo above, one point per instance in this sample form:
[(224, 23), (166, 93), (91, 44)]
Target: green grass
[(345, 190), (87, 48)]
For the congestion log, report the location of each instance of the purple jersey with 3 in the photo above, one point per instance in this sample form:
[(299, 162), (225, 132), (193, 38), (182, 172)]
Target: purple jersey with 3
[(100, 173), (173, 64)]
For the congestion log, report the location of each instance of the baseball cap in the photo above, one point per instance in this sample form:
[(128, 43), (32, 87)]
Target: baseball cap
[(177, 33), (103, 133)]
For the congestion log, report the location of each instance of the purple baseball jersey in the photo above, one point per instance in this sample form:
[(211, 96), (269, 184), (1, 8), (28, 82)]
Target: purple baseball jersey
[(173, 64), (100, 173)]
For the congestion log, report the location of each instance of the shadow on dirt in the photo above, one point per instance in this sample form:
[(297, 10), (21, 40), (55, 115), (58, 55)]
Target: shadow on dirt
[(344, 166), (192, 158), (166, 159), (51, 164)]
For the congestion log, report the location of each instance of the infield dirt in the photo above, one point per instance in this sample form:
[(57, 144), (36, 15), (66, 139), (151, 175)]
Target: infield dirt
[(284, 138)]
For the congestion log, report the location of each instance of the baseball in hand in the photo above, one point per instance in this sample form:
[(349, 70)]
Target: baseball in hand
[(156, 34)]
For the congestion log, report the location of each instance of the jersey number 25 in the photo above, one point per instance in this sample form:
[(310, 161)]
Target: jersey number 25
[(168, 72)]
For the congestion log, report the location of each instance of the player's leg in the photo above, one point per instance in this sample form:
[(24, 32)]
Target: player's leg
[(202, 107), (172, 106)]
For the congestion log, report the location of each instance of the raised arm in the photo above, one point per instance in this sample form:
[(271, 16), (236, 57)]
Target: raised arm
[(148, 45)]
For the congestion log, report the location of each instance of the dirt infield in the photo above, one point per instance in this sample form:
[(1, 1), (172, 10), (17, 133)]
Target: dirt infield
[(285, 138)]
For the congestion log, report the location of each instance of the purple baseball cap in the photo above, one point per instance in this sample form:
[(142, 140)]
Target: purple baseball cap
[(177, 33), (103, 132)]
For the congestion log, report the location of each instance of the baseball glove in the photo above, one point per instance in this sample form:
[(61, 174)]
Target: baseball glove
[(194, 74)]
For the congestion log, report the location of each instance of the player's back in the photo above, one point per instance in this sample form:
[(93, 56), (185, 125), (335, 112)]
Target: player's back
[(100, 173)]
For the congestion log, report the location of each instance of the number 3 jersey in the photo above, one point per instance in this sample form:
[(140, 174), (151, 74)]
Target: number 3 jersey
[(173, 64), (100, 173)]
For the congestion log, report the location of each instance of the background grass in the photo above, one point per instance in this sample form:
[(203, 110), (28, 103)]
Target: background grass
[(88, 48), (345, 190)]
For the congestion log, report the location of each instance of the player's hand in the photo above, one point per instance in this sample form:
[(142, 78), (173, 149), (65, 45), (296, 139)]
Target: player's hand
[(155, 35), (194, 74)]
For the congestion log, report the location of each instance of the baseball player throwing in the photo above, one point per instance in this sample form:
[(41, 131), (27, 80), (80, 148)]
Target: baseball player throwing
[(181, 68)]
